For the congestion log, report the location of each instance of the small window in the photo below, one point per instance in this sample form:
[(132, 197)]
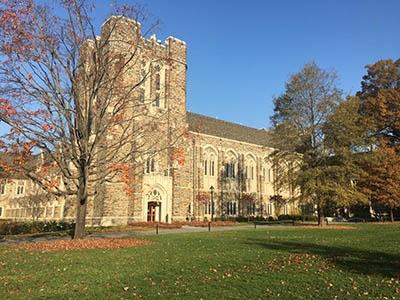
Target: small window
[(143, 73), (149, 166), (1, 211), (252, 172), (156, 102), (205, 167), (141, 95), (20, 187), (207, 208), (2, 187)]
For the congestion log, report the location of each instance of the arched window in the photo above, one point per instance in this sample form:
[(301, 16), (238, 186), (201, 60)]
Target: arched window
[(250, 164), (209, 156)]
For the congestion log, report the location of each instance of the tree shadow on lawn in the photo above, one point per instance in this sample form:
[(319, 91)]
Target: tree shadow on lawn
[(354, 260)]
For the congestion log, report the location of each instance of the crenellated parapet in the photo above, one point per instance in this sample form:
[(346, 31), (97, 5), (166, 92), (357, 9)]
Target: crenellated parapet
[(125, 33)]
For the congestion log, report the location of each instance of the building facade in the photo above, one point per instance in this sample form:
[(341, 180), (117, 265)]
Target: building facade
[(224, 169)]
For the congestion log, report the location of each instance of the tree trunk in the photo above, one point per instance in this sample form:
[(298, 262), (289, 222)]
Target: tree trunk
[(81, 202), (391, 215), (321, 218)]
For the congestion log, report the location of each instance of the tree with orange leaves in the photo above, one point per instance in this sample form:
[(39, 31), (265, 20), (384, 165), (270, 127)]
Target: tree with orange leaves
[(382, 183), (380, 106), (63, 92), (380, 95)]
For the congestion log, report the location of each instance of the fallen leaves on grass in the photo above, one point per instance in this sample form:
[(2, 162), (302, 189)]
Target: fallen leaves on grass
[(279, 264), (64, 245)]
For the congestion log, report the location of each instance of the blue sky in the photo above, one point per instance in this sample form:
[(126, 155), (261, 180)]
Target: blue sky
[(240, 53)]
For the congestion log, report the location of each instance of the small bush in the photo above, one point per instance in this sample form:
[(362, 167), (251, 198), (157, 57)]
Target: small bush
[(250, 219), (12, 228), (310, 218), (242, 219), (289, 217)]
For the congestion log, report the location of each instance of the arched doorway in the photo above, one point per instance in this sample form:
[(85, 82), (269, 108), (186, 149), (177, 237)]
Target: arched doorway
[(154, 206)]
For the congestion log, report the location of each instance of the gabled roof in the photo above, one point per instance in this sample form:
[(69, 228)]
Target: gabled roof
[(220, 128)]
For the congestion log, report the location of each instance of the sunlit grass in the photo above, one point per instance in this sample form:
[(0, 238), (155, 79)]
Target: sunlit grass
[(289, 263)]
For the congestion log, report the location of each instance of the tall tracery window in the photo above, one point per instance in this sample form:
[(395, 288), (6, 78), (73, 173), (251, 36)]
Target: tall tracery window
[(143, 81), (157, 86), (157, 83), (209, 162), (267, 170), (212, 168), (250, 167), (231, 208), (230, 169)]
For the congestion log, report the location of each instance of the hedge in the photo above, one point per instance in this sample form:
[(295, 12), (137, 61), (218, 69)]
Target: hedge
[(11, 228)]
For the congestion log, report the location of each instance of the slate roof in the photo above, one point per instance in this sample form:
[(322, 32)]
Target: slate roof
[(224, 129)]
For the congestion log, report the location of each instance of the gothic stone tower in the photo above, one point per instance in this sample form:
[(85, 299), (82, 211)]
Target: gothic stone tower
[(159, 186)]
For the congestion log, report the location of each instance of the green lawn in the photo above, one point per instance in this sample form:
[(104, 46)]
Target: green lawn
[(289, 263)]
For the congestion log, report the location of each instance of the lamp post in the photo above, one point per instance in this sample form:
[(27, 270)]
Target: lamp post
[(212, 202)]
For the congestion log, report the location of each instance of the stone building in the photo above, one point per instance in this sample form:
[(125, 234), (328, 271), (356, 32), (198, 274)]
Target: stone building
[(226, 171)]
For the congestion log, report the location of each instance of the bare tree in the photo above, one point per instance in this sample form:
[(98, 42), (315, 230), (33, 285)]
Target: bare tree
[(78, 97)]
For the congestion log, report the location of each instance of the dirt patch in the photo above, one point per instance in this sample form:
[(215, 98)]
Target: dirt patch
[(84, 244), (326, 227)]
